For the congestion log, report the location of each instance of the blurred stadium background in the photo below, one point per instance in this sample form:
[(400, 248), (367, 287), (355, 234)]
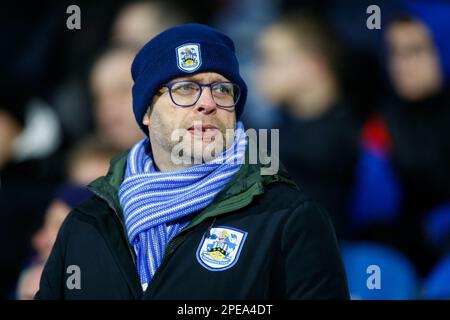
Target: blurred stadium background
[(364, 118)]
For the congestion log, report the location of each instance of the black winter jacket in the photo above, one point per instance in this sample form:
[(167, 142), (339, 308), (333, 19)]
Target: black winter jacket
[(283, 247)]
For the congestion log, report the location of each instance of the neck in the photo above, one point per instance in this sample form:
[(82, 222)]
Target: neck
[(315, 99)]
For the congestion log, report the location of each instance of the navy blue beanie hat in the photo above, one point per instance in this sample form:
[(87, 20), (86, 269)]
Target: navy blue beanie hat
[(181, 51)]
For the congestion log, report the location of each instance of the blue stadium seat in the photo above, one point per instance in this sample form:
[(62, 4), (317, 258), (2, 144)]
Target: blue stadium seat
[(437, 225), (364, 262), (437, 284), (375, 180)]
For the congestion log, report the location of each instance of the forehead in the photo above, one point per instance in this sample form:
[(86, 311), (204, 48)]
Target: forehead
[(204, 77), (404, 33), (112, 71)]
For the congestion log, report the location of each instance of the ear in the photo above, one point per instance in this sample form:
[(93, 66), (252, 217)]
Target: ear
[(146, 118)]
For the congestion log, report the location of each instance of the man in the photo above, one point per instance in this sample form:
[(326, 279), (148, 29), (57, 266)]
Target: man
[(110, 85), (160, 228), (66, 197), (405, 150), (299, 72)]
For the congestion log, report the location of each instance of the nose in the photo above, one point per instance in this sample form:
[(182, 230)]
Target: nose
[(206, 103)]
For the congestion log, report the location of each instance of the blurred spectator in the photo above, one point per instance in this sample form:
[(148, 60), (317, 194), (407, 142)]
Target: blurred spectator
[(139, 21), (87, 160), (9, 131), (120, 24), (45, 237), (51, 63), (413, 59), (110, 76), (19, 179), (299, 71), (406, 147), (28, 283), (111, 89), (67, 197), (12, 121), (258, 113)]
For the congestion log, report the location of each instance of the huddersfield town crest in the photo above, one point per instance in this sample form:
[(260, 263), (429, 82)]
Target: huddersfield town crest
[(189, 57), (220, 250)]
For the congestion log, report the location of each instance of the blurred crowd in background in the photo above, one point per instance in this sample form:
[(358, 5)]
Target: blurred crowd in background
[(364, 120)]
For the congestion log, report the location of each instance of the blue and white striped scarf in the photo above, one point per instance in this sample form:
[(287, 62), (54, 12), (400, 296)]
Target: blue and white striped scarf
[(157, 205)]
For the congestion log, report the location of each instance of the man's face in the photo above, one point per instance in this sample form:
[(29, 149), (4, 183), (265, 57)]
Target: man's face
[(44, 239), (111, 87), (204, 125), (284, 67), (413, 61), (9, 131)]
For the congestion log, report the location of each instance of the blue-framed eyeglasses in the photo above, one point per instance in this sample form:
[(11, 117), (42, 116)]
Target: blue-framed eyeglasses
[(186, 93)]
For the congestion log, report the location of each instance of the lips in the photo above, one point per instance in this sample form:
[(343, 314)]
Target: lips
[(203, 130)]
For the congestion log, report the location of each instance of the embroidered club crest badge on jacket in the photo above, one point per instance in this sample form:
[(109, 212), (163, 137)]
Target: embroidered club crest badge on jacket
[(189, 57), (221, 248)]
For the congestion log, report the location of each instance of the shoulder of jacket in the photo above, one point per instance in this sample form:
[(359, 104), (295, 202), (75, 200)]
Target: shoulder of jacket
[(287, 194), (93, 207), (309, 214)]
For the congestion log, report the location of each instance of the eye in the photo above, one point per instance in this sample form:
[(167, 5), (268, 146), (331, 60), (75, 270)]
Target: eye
[(223, 89), (185, 88)]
